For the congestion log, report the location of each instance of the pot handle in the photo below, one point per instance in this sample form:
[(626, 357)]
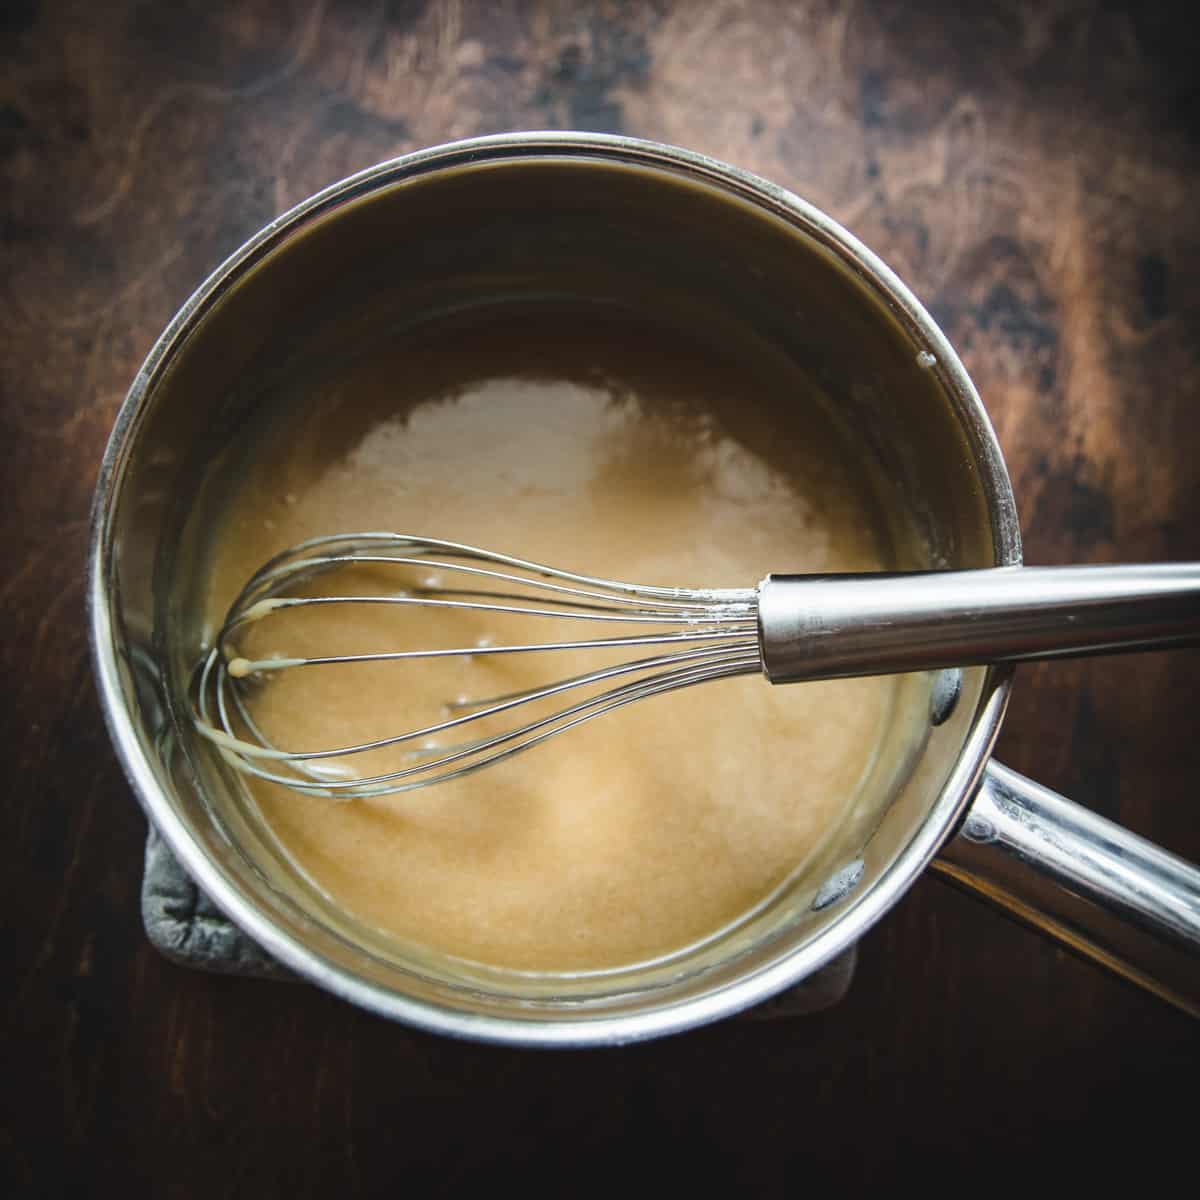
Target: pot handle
[(1091, 884)]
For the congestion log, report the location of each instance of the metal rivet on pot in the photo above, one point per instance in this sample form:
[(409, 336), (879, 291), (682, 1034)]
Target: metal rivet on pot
[(839, 884), (947, 687)]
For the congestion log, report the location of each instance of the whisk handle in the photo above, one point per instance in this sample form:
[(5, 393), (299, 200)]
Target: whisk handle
[(829, 626)]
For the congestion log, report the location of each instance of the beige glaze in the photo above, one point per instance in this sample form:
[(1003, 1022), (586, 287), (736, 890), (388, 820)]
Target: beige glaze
[(626, 453)]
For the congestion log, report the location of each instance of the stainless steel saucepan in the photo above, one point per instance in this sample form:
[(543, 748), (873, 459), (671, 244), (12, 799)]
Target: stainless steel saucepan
[(502, 219)]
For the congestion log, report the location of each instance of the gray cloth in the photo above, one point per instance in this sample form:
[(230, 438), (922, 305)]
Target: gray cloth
[(183, 924)]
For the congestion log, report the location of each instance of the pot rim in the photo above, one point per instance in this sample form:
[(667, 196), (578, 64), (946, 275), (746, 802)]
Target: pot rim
[(535, 1031)]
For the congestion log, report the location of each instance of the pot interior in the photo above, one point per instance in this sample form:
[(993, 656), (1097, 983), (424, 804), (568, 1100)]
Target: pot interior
[(518, 230)]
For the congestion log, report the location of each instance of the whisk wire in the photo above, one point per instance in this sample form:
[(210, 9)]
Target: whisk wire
[(715, 628), (241, 754)]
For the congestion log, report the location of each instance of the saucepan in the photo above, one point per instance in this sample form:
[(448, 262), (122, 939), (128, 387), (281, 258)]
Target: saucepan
[(523, 214)]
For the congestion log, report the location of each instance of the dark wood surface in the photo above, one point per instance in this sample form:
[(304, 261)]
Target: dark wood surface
[(1031, 169)]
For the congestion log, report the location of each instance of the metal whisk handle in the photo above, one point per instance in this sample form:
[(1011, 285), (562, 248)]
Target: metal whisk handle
[(828, 626)]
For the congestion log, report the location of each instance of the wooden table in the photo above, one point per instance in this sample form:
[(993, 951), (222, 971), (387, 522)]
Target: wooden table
[(1031, 170)]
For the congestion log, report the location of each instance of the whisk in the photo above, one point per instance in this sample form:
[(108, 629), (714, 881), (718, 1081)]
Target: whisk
[(789, 628)]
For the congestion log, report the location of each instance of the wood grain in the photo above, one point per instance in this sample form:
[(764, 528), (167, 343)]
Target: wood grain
[(1029, 168)]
